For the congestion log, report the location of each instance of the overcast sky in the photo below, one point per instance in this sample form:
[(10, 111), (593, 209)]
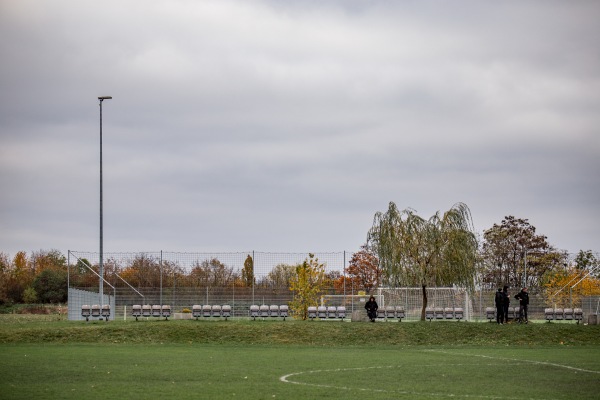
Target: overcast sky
[(285, 125)]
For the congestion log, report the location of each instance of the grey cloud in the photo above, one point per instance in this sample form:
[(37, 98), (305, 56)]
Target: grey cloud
[(285, 126)]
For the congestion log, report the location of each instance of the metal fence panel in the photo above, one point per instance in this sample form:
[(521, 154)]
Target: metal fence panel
[(165, 278)]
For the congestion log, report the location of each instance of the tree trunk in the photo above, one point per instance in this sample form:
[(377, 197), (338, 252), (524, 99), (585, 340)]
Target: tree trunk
[(424, 303)]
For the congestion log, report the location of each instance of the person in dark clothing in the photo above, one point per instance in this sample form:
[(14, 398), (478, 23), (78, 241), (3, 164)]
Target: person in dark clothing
[(523, 298), (506, 303), (499, 300), (371, 307)]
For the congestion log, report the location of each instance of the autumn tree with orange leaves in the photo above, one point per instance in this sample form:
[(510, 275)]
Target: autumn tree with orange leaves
[(363, 273), (567, 287)]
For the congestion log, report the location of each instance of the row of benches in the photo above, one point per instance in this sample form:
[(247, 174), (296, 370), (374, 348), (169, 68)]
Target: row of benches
[(391, 312), (444, 313), (323, 312), (147, 310), (490, 313), (263, 311), (95, 311), (563, 314), (210, 311), (550, 314), (266, 311), (333, 312)]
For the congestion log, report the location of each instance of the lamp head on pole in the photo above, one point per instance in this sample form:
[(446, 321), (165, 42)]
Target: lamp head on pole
[(104, 98)]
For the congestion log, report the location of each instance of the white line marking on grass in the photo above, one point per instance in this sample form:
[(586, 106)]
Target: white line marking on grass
[(517, 360), (286, 379)]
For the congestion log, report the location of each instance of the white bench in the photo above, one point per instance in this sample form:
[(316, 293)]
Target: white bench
[(559, 314), (136, 311), (490, 313), (459, 313), (322, 312), (283, 311), (105, 313), (331, 312), (254, 311), (209, 311), (390, 312), (196, 311), (226, 311), (165, 311), (215, 311), (270, 311), (146, 310), (156, 310), (400, 313), (206, 310), (449, 313), (264, 311), (568, 312), (274, 311), (578, 314), (96, 311), (429, 313), (86, 312)]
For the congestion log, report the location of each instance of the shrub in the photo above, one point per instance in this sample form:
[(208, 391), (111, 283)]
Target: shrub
[(30, 295)]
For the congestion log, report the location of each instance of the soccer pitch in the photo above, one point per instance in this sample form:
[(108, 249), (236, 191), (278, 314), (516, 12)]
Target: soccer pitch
[(225, 371)]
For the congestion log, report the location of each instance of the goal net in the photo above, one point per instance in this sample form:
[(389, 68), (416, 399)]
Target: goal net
[(351, 302), (409, 298)]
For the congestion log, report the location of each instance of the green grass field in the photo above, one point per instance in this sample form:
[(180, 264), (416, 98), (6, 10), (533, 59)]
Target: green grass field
[(46, 358)]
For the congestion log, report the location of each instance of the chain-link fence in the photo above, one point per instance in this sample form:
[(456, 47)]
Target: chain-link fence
[(182, 280), (185, 279)]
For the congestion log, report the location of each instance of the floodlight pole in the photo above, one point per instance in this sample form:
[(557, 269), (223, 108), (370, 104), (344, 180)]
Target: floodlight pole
[(101, 261)]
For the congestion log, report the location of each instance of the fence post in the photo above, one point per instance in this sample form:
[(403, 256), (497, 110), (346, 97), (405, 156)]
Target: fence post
[(344, 273), (68, 273)]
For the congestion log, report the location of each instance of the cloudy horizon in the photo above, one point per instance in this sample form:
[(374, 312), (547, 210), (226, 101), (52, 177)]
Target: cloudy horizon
[(285, 126)]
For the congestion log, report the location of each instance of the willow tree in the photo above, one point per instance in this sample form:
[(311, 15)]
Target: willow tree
[(413, 251)]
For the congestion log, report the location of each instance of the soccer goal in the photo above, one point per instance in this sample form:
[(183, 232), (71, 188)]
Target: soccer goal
[(411, 299), (350, 301), (437, 297)]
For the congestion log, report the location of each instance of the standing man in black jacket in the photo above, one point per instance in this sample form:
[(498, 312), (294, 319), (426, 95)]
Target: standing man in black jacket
[(499, 300), (506, 302), (523, 298)]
